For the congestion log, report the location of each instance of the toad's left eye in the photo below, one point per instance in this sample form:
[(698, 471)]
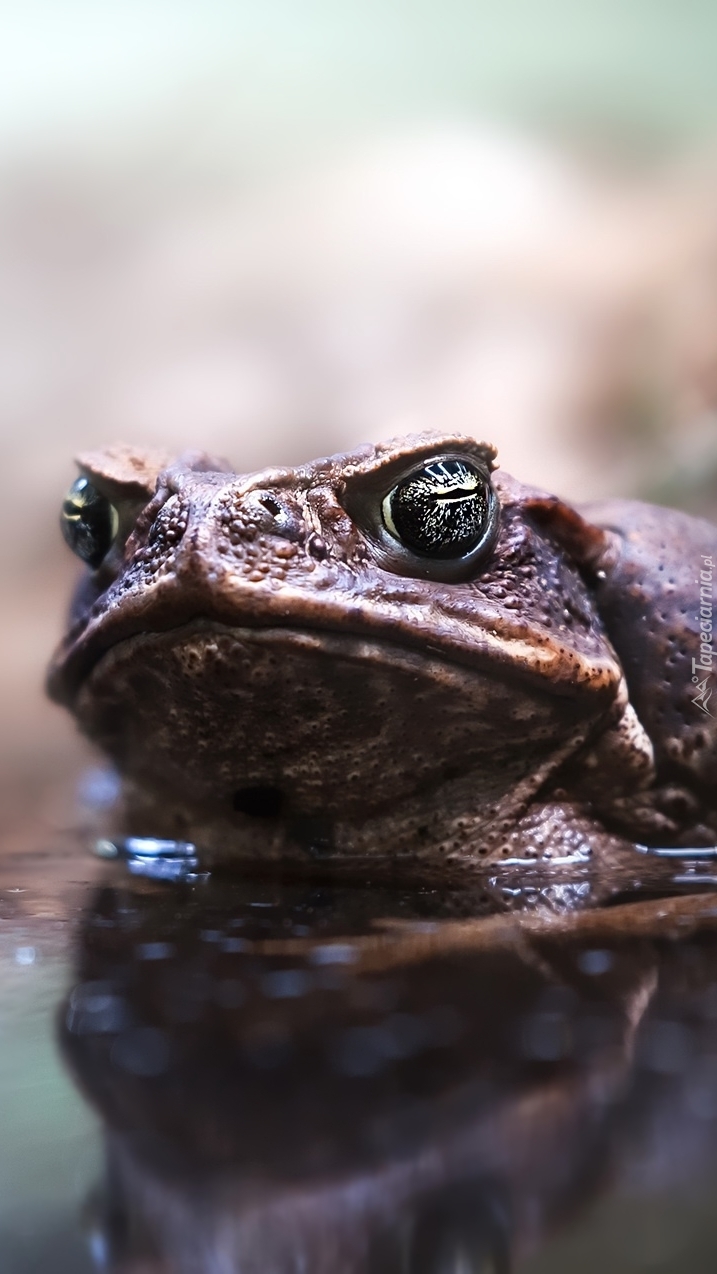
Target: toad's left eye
[(442, 510), (89, 522)]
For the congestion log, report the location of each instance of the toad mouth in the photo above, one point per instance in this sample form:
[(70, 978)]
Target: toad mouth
[(501, 651)]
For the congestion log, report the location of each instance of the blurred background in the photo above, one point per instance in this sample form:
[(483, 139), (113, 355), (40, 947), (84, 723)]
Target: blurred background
[(278, 229)]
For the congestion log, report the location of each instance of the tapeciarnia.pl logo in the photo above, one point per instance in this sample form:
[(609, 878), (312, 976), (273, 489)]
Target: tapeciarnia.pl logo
[(702, 668)]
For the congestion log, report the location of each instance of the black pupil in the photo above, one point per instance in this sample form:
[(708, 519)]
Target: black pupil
[(442, 509), (87, 522)]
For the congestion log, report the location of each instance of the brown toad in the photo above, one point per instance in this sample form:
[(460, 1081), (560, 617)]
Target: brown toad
[(392, 658)]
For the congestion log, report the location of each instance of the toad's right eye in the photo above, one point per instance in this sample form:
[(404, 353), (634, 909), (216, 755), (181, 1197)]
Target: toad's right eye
[(89, 522)]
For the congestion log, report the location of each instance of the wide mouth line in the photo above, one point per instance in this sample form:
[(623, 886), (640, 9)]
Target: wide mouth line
[(490, 658), (422, 649)]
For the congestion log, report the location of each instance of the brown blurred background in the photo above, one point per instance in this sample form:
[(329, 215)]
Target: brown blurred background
[(274, 230)]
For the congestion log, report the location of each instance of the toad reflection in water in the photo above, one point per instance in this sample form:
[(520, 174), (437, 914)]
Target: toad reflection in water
[(357, 1082), (392, 661)]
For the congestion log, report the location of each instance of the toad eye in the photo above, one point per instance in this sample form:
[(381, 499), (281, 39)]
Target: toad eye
[(89, 522), (442, 510)]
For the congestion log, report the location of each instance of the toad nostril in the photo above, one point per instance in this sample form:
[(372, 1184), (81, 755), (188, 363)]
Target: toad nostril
[(261, 801), (270, 513)]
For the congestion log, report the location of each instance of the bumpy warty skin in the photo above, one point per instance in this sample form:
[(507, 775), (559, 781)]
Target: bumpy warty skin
[(277, 684)]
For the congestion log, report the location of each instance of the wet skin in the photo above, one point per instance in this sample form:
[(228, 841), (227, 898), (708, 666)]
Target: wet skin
[(395, 660)]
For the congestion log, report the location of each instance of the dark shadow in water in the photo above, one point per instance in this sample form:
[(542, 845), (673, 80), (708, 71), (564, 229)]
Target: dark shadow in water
[(343, 1081)]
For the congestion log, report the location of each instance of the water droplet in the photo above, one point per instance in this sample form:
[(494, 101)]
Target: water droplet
[(334, 953), (154, 950), (286, 984), (594, 962)]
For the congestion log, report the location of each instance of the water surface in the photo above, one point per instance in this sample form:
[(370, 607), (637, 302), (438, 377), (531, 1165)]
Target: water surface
[(278, 1076)]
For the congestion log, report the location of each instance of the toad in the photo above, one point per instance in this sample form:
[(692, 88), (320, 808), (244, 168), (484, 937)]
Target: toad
[(388, 660)]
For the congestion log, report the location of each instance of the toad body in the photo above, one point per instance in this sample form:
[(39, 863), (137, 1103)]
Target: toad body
[(394, 658)]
